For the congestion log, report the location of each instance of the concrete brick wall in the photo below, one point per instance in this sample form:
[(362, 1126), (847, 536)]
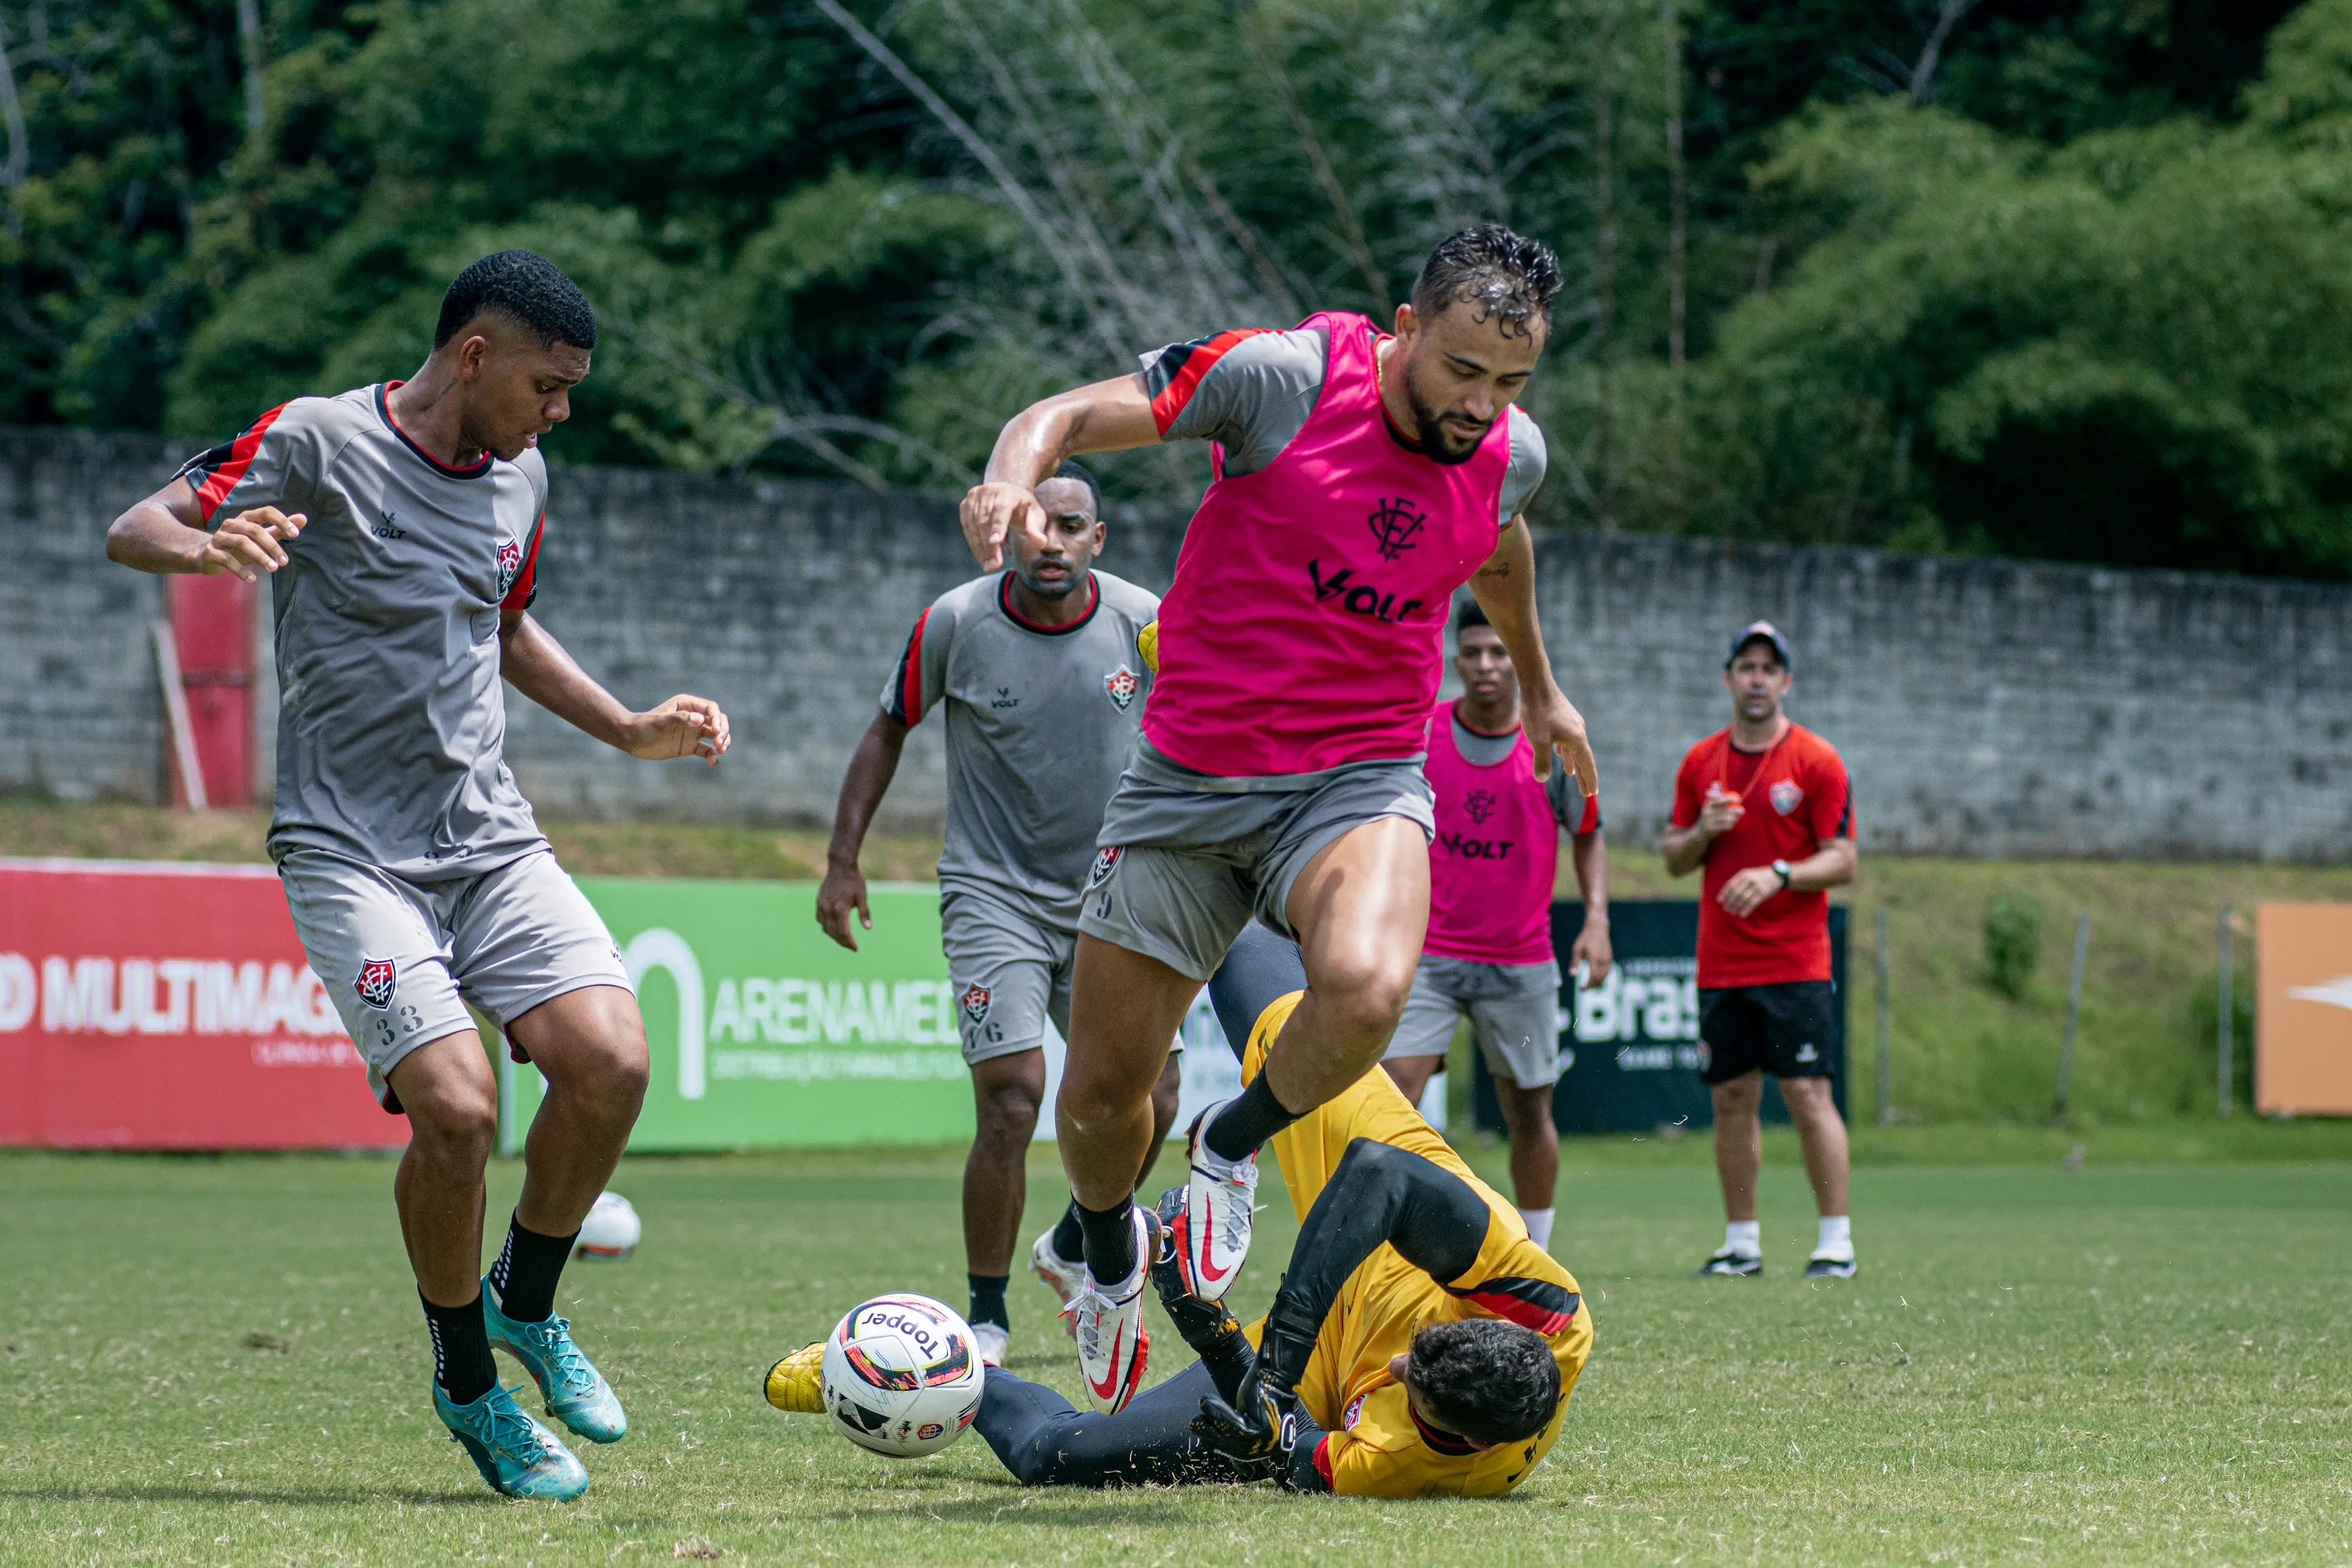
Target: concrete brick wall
[(1986, 708), (81, 711)]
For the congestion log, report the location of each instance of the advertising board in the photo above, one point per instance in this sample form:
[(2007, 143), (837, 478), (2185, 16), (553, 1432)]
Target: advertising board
[(161, 1005)]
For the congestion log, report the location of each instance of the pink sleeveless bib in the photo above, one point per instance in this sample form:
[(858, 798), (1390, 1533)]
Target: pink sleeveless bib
[(1496, 851), (1305, 627)]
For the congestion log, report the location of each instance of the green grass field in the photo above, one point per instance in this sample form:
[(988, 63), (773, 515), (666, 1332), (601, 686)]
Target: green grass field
[(221, 1361)]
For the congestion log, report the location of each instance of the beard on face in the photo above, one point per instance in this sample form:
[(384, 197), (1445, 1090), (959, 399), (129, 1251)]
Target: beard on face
[(1047, 587), (1430, 430)]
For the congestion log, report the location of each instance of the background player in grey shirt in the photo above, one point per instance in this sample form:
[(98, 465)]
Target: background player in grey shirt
[(1043, 688), (400, 525)]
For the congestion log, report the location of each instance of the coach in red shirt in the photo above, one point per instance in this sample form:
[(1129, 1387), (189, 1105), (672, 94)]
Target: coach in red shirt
[(1764, 808)]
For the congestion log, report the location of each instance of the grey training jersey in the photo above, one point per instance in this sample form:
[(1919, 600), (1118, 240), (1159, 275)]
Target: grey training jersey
[(392, 720), (1041, 720), (1250, 392)]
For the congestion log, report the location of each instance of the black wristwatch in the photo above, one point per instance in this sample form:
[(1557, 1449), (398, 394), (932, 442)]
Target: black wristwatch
[(1782, 868)]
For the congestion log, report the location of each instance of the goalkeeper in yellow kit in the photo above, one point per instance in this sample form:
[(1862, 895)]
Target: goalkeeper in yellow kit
[(1419, 1346)]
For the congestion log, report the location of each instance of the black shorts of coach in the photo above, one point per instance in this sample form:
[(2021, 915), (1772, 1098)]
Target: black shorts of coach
[(1784, 1029)]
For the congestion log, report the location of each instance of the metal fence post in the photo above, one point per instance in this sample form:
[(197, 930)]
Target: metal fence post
[(2073, 1014), (2225, 1019), (1885, 1043)]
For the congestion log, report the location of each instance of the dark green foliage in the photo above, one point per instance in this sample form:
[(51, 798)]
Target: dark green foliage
[(2078, 291), (2012, 942)]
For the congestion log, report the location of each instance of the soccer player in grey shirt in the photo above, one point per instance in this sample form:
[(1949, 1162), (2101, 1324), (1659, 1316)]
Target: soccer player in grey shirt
[(400, 527), (1043, 686)]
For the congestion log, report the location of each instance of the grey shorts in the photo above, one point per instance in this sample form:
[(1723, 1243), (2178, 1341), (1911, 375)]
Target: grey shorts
[(1514, 1009), (1183, 867), (403, 959), (1010, 972)]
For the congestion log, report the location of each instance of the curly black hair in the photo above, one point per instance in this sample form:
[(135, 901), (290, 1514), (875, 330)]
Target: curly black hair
[(1485, 1378), (1498, 273), (528, 289)]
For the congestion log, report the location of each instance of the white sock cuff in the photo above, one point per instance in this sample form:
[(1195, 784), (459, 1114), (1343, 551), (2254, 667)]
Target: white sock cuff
[(1539, 1223), (1744, 1237), (1837, 1235)]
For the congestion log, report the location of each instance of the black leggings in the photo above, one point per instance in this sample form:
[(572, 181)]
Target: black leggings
[(1045, 1440)]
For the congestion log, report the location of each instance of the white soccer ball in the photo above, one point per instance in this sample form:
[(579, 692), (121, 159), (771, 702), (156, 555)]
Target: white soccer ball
[(611, 1230), (902, 1376)]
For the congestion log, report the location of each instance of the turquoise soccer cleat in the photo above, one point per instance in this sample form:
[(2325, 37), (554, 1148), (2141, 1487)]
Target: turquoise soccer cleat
[(515, 1454), (576, 1392)]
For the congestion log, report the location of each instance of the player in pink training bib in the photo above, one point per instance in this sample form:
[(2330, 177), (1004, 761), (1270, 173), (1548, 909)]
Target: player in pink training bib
[(1488, 954), (1361, 478)]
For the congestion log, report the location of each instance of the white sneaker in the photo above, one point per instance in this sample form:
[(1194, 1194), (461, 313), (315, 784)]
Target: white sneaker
[(990, 1341), (1113, 1343), (1061, 1276), (1212, 1237)]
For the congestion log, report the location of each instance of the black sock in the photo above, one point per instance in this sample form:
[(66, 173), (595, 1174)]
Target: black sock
[(524, 1276), (1070, 1235), (988, 1299), (1110, 1240), (461, 1350), (1243, 1126)]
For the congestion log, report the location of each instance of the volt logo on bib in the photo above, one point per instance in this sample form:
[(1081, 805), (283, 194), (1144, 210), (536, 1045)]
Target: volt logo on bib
[(1358, 598)]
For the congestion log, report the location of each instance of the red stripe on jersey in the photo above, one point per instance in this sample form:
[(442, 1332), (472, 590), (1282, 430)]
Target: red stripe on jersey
[(1323, 1462), (1198, 362), (519, 596), (1537, 1304), (910, 688), (1589, 822), (1437, 1441), (223, 479)]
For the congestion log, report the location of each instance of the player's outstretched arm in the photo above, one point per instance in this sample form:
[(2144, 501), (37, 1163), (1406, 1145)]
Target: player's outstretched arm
[(535, 664), (1380, 1193), (871, 768), (166, 533), (1104, 416), (1505, 588)]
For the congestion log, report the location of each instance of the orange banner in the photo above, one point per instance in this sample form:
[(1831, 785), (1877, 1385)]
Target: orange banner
[(2303, 1009)]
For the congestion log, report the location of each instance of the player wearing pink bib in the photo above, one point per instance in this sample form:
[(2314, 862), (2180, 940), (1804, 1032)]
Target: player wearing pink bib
[(1361, 478), (1491, 868)]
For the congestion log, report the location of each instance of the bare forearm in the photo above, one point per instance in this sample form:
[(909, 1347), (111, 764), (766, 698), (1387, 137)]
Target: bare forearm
[(535, 664), (148, 538), (1105, 417), (1832, 865), (1685, 849), (871, 768), (1589, 854), (1505, 588)]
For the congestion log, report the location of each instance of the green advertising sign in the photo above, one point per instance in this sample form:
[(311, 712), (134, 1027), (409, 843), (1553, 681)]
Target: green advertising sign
[(766, 1034)]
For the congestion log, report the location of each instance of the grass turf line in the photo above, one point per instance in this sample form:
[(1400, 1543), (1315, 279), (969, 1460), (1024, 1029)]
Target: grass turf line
[(213, 1360)]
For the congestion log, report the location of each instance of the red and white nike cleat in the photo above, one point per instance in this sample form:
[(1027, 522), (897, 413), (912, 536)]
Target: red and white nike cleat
[(1113, 1343), (1059, 1274), (1213, 1235)]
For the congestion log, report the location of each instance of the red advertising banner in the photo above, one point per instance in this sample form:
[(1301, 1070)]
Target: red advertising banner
[(155, 1005)]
